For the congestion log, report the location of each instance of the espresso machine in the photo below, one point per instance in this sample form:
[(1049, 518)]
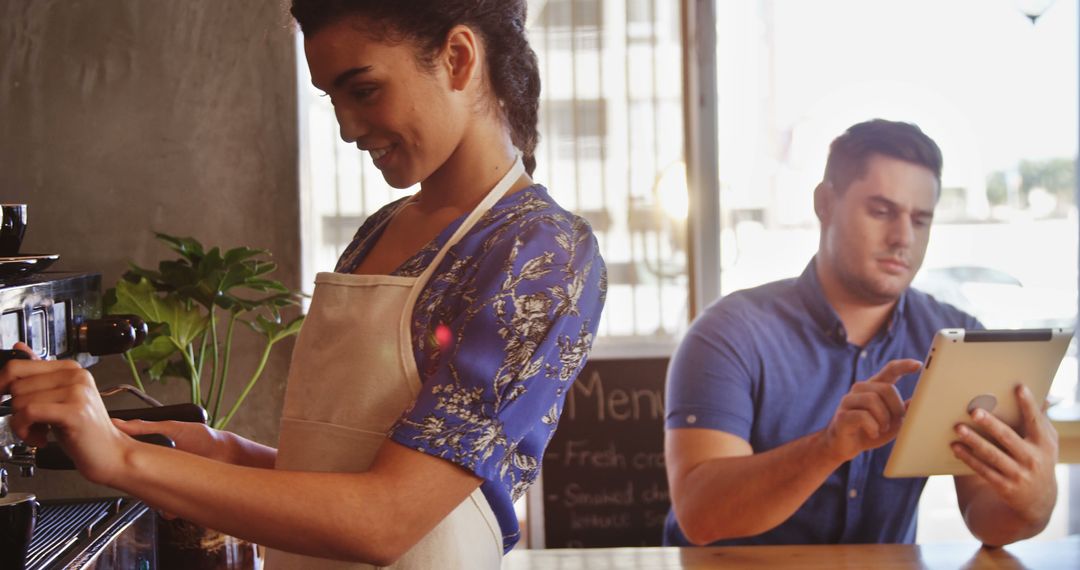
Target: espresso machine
[(59, 315)]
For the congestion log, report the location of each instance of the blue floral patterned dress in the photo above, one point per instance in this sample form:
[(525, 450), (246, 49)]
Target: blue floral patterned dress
[(499, 332)]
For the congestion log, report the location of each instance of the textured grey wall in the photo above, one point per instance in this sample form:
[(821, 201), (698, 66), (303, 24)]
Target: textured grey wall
[(121, 117)]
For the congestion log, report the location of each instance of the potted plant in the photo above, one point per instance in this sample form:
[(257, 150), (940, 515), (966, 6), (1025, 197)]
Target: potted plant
[(187, 302), (192, 305)]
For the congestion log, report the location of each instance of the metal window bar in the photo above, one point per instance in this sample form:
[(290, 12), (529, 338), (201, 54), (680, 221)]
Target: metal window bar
[(630, 177), (601, 120), (656, 149)]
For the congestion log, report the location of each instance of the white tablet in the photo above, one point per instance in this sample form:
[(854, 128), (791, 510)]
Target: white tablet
[(967, 369)]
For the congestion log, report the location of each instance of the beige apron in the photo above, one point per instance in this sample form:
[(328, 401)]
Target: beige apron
[(350, 380)]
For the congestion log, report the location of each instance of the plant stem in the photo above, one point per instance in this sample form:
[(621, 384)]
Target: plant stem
[(214, 360), (224, 368), (202, 351), (134, 370), (190, 361), (251, 383)]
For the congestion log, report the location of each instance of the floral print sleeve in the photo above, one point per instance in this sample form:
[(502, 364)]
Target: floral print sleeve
[(500, 333)]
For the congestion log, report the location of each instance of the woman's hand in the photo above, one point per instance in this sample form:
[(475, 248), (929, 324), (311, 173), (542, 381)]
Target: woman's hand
[(60, 396), (191, 437)]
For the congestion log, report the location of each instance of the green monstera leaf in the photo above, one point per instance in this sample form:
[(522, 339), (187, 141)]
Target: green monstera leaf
[(184, 323), (156, 353), (273, 329), (192, 304)]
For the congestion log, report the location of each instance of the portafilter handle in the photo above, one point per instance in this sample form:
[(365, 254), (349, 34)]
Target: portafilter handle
[(175, 412), (52, 456), (141, 329), (110, 335), (12, 354)]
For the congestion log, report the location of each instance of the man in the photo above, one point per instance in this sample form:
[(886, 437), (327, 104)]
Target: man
[(784, 400)]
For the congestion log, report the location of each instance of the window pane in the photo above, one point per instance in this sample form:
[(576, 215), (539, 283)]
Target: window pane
[(612, 150)]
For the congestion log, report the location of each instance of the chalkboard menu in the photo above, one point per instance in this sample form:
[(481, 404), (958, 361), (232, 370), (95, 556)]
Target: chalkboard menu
[(604, 482)]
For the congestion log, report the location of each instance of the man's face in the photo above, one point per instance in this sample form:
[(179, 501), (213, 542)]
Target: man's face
[(875, 233)]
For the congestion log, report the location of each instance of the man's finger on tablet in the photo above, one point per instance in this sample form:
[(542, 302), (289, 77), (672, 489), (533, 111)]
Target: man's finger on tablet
[(1030, 412), (894, 370), (1001, 460), (886, 393), (963, 453), (894, 401), (869, 426), (866, 402), (1005, 437)]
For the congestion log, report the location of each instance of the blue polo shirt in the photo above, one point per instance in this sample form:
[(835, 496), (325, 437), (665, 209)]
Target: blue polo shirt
[(770, 365)]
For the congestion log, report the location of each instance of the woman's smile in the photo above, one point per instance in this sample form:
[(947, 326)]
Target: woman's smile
[(381, 156)]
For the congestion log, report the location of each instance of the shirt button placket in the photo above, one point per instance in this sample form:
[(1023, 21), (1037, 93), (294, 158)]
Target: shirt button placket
[(856, 477), (865, 364)]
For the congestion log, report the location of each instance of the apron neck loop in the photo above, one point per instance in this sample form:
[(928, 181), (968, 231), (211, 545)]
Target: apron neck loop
[(493, 196)]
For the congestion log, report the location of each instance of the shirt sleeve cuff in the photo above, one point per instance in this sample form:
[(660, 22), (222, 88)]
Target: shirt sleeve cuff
[(709, 419)]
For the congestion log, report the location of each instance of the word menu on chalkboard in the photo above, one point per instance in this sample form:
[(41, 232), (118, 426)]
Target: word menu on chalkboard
[(604, 482)]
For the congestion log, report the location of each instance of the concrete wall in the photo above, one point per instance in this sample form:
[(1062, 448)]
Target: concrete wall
[(122, 117)]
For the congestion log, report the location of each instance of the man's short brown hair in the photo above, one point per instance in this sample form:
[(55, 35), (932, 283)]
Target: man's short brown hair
[(849, 152)]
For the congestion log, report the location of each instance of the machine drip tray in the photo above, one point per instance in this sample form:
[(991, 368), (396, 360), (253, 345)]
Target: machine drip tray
[(93, 534)]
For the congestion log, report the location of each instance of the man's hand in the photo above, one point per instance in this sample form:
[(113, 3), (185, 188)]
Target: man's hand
[(1018, 467), (870, 414)]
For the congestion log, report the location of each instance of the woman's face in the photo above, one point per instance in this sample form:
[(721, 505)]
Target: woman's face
[(409, 119)]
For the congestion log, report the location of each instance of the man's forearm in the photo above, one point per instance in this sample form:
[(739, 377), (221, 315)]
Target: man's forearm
[(995, 523), (747, 495)]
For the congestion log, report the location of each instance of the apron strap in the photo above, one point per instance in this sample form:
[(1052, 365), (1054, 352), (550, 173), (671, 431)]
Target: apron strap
[(405, 324), (482, 208)]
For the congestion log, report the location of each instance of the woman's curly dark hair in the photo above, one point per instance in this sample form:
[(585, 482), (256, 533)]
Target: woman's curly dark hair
[(512, 66)]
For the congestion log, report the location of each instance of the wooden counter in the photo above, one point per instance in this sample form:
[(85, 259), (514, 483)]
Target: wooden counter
[(1061, 554)]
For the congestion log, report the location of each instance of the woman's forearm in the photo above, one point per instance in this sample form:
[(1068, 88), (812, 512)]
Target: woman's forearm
[(297, 512), (341, 516), (242, 451)]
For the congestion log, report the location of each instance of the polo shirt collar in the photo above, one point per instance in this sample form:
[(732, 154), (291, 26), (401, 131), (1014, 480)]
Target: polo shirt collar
[(828, 322)]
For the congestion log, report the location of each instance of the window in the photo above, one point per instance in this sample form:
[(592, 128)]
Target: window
[(571, 24), (579, 127), (571, 14), (612, 150)]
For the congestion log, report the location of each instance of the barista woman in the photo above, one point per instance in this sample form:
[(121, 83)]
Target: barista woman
[(432, 367)]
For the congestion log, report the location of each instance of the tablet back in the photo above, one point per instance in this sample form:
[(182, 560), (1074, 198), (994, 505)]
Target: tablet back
[(965, 369)]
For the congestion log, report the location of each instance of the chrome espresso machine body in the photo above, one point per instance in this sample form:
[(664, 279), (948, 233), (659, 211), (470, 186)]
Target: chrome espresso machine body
[(59, 315)]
